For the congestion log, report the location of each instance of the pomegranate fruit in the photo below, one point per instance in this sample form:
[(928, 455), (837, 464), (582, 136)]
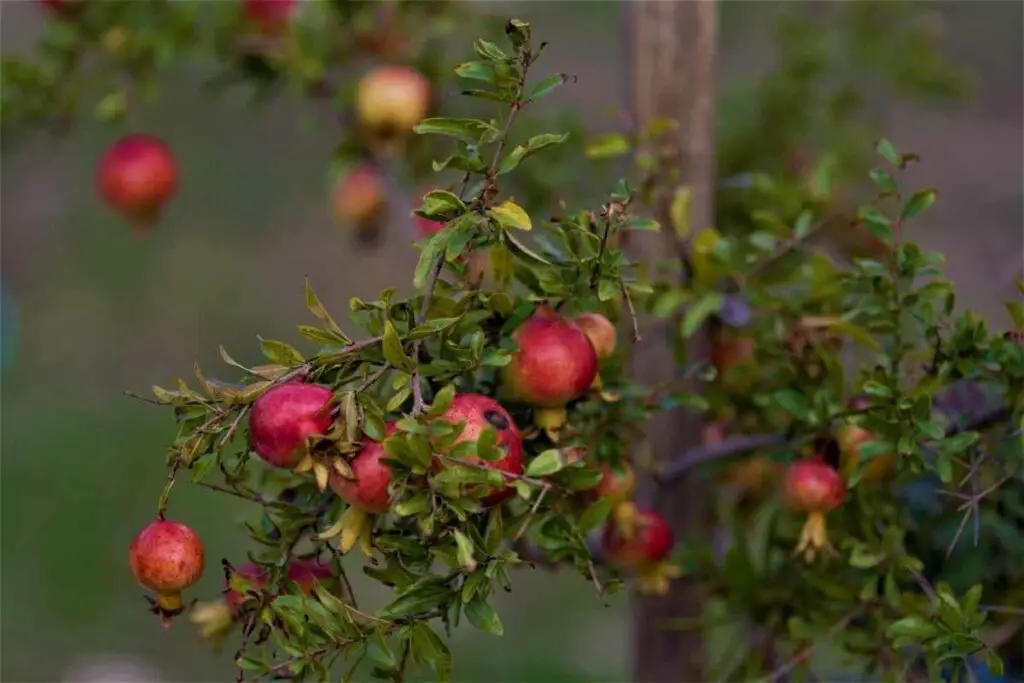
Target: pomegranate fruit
[(390, 100), (369, 489), (644, 551), (478, 412), (284, 418), (555, 363), (851, 439), (216, 618), (617, 484), (136, 176), (360, 200), (813, 486), (166, 557), (269, 17), (426, 227), (600, 331)]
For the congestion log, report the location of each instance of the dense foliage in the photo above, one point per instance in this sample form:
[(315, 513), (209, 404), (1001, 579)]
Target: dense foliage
[(864, 437)]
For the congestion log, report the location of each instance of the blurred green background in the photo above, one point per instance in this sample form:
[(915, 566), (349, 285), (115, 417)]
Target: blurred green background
[(89, 311)]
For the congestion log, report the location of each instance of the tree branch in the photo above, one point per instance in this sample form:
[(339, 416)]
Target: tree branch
[(678, 466)]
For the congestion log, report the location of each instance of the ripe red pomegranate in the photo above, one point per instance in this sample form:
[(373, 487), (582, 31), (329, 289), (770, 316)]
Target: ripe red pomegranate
[(360, 199), (369, 489), (284, 417), (63, 8), (648, 546), (813, 486), (554, 364), (167, 557), (270, 17), (600, 331), (136, 176), (480, 412), (390, 100)]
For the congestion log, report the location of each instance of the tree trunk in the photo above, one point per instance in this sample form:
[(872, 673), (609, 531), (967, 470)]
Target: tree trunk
[(672, 54)]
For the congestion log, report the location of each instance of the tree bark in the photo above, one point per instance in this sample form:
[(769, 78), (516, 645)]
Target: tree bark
[(673, 47)]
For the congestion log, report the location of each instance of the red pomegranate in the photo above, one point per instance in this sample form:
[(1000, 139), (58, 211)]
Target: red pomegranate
[(270, 17), (813, 486), (369, 489), (555, 362), (480, 412), (284, 417), (136, 176), (390, 100), (360, 199), (600, 331), (649, 546), (167, 557), (63, 8)]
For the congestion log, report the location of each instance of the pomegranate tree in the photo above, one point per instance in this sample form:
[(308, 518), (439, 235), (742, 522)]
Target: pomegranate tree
[(167, 557), (136, 176), (814, 487)]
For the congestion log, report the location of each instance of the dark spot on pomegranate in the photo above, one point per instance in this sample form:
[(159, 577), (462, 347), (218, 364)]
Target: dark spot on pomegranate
[(496, 419)]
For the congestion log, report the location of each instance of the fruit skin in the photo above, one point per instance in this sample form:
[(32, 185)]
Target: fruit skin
[(359, 199), (136, 176), (284, 417), (481, 412), (851, 439), (390, 100), (555, 362), (167, 557), (369, 489), (617, 484), (649, 546), (426, 227), (270, 17), (63, 8), (811, 485), (600, 331)]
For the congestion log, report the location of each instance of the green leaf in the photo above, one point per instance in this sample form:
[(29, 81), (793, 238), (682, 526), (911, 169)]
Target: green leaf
[(482, 616), (320, 312), (464, 550), (442, 203), (511, 216), (885, 149), (700, 311), (595, 515), (477, 71), (877, 224), (959, 443), (532, 146), (459, 162), (524, 252), (608, 146), (793, 402), (416, 601), (431, 327), (883, 180), (863, 558), (518, 32), (546, 87), (921, 200), (470, 130), (548, 462), (379, 652), (280, 352), (442, 401), (914, 627), (1016, 312), (489, 50), (428, 648), (393, 351)]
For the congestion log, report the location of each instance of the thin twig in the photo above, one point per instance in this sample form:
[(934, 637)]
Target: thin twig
[(632, 312), (782, 671)]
